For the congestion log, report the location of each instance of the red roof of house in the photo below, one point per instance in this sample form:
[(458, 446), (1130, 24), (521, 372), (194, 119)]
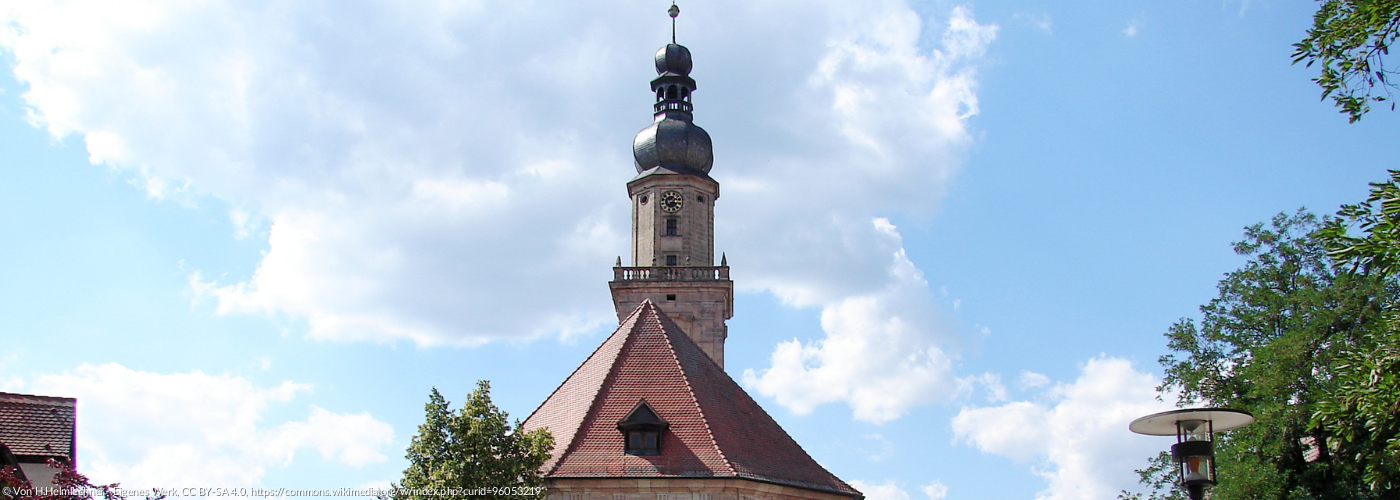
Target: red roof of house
[(716, 429), (37, 425)]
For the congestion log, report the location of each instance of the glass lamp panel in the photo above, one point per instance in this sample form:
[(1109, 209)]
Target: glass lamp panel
[(1196, 468), (1195, 430)]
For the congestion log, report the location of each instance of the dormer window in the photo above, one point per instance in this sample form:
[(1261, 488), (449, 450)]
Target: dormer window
[(642, 431)]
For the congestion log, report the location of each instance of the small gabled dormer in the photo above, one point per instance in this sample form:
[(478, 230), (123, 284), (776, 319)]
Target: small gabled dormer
[(642, 431)]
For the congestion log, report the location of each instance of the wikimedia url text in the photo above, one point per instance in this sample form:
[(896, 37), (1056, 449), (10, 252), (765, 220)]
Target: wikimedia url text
[(11, 492)]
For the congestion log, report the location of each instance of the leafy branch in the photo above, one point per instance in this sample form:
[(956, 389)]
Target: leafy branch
[(1350, 40)]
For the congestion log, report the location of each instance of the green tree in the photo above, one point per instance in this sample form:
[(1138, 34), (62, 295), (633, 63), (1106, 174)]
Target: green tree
[(1350, 40), (1362, 419), (475, 449), (1274, 343), (67, 484), (1376, 250)]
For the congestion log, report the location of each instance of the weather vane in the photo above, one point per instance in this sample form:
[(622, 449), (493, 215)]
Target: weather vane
[(673, 11)]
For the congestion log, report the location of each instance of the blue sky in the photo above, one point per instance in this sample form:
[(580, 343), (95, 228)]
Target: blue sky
[(251, 237)]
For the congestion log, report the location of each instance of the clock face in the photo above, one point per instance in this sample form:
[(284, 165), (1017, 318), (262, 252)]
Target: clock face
[(671, 201)]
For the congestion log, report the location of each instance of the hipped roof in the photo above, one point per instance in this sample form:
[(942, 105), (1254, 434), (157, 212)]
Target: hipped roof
[(716, 429)]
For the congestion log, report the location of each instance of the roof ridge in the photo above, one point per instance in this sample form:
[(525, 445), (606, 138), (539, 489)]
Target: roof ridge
[(589, 415), (593, 399), (799, 448), (35, 398), (739, 468), (576, 368), (667, 325)]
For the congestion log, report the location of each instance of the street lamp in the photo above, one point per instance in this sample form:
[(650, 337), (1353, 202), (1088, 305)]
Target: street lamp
[(1194, 451)]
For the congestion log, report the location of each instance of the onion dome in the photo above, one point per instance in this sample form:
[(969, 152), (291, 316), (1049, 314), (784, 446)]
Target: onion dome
[(673, 141), (673, 59), (676, 145)]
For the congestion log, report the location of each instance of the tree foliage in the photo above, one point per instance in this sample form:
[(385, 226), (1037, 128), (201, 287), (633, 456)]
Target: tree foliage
[(1160, 479), (68, 484), (1362, 419), (1376, 251), (473, 453), (1277, 342), (1350, 40)]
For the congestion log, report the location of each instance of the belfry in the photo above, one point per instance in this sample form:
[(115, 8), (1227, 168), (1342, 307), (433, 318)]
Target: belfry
[(673, 217), (651, 414)]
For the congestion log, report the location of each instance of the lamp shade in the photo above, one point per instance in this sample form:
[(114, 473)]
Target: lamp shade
[(1164, 423)]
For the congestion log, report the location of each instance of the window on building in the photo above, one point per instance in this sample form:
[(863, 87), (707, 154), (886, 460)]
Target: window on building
[(671, 297), (670, 260), (642, 431), (672, 227)]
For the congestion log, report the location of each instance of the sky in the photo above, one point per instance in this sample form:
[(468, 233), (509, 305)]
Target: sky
[(251, 237)]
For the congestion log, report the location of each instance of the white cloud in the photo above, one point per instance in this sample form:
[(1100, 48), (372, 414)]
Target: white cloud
[(886, 447), (193, 429), (11, 383), (900, 121), (887, 491), (451, 173), (1132, 29), (1015, 430), (991, 383), (1244, 6), (936, 490), (881, 354), (1077, 438), (1033, 380), (351, 439), (1040, 22)]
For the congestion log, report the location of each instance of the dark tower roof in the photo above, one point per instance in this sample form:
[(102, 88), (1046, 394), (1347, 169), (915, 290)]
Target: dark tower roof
[(673, 144), (714, 428), (673, 59)]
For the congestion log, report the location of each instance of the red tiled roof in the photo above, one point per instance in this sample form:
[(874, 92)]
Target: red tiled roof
[(37, 425), (716, 429)]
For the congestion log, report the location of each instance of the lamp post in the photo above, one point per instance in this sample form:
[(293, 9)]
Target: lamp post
[(1194, 451)]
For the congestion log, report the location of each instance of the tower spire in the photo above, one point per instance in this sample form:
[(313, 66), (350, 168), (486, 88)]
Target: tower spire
[(673, 11), (673, 201)]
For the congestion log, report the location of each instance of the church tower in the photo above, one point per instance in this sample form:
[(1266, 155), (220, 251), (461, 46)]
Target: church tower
[(673, 218), (651, 414)]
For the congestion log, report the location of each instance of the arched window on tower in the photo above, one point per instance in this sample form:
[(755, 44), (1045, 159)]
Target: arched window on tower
[(642, 431)]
